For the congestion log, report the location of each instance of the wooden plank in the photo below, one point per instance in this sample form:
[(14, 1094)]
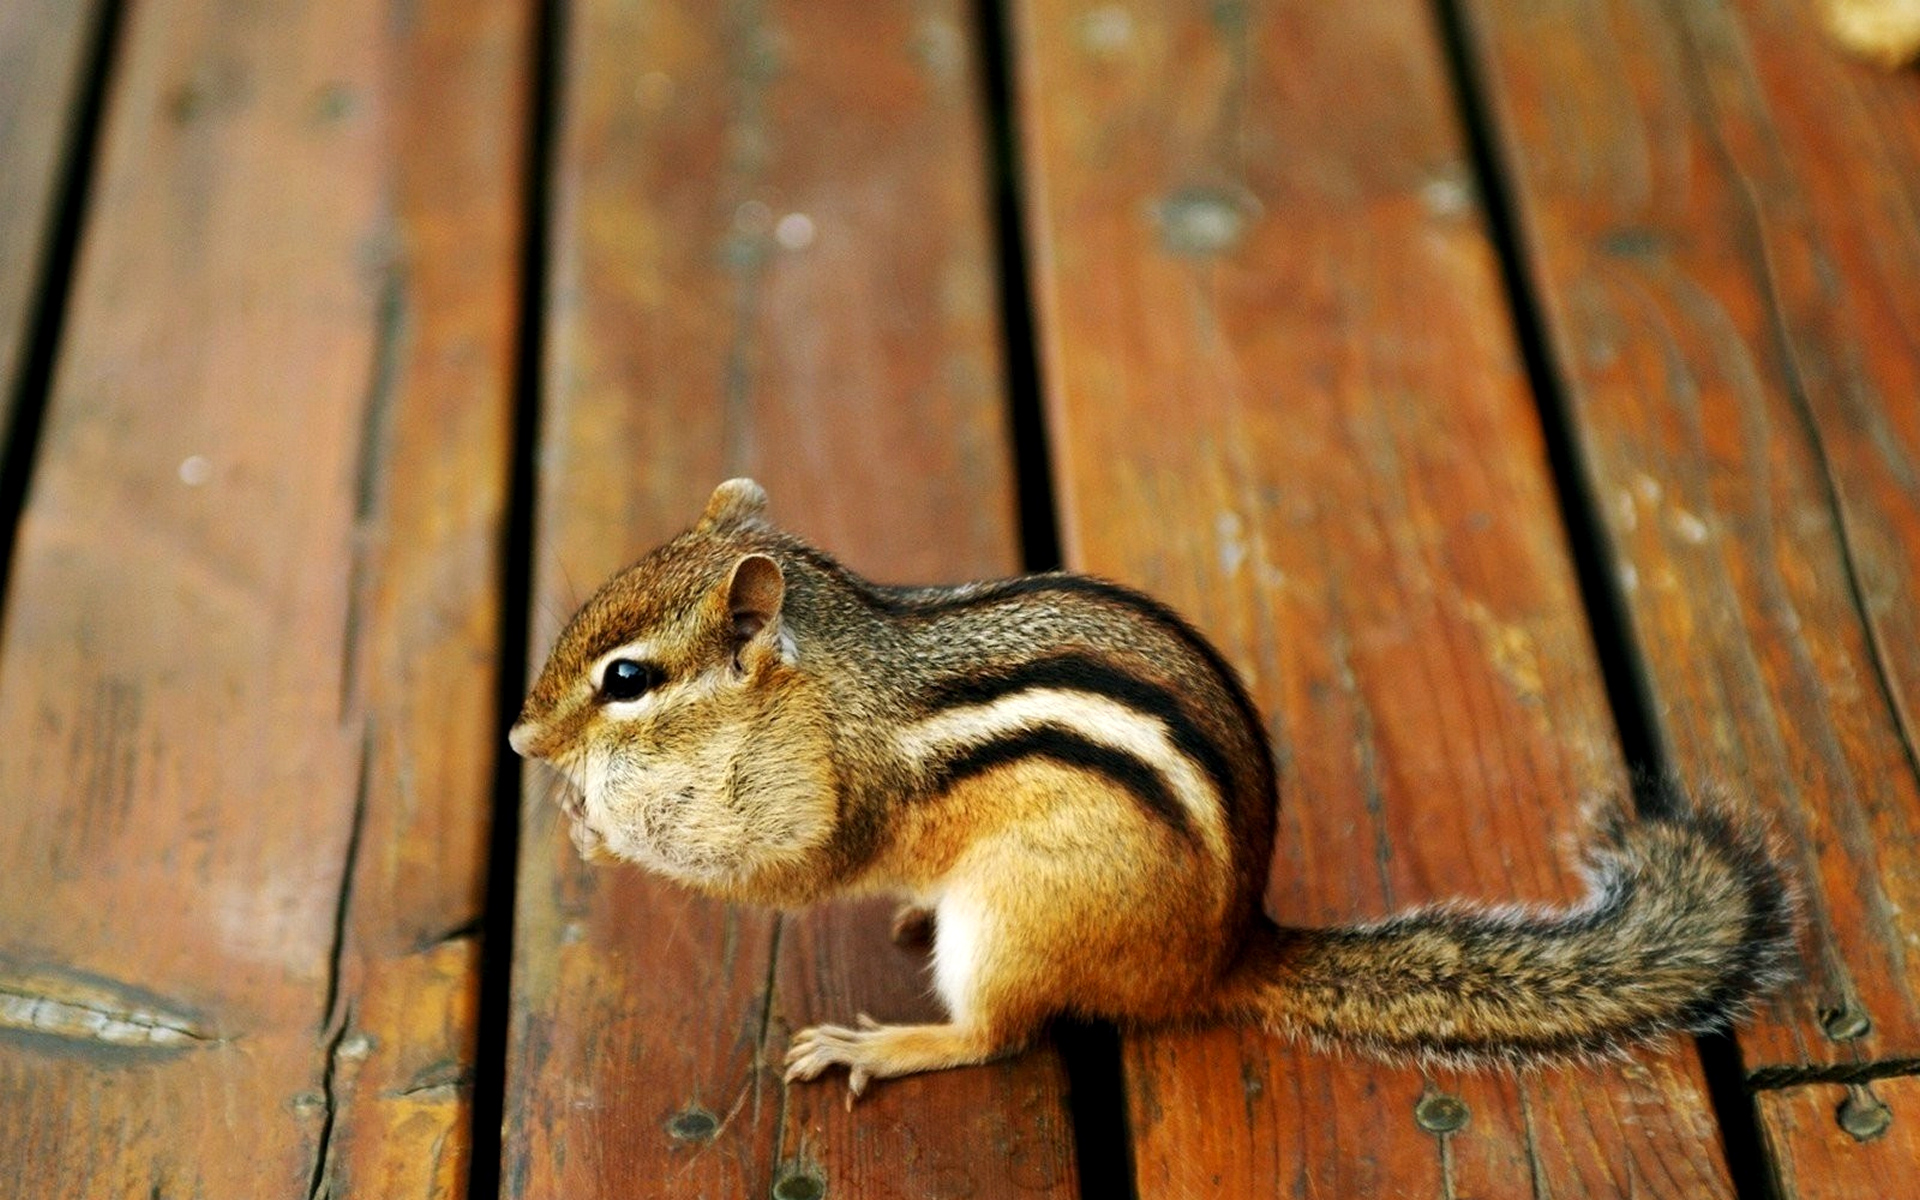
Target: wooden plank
[(244, 811), (1719, 212), (432, 499), (1842, 1141), (770, 256), (1284, 396), (43, 62)]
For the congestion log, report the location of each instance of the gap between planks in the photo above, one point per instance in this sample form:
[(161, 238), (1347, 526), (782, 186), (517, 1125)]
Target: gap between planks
[(495, 1015), (26, 403), (1623, 673)]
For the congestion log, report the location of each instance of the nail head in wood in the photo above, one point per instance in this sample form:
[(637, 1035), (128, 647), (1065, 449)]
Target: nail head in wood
[(1438, 1113), (1846, 1023), (1202, 220), (693, 1124), (1862, 1115), (800, 1185)]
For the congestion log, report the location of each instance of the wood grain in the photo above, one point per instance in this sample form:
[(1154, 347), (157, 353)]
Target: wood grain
[(431, 497), (1719, 214), (250, 638), (770, 256), (43, 62), (1284, 396), (1842, 1141)]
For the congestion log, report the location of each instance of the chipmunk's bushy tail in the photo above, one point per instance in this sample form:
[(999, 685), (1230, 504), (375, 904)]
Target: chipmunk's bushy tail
[(1688, 921)]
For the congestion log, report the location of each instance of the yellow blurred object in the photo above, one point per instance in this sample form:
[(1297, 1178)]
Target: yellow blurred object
[(1886, 31)]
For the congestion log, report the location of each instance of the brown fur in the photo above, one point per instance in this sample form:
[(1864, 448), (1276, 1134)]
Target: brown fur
[(1073, 794)]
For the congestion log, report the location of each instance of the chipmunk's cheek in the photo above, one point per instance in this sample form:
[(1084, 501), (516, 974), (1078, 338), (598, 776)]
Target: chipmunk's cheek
[(594, 811), (630, 812), (788, 811)]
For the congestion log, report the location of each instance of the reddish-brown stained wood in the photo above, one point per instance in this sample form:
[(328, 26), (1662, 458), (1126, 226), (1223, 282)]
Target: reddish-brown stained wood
[(770, 256), (1830, 1141), (1240, 1114), (432, 496), (249, 643), (1719, 209), (1284, 396), (43, 60)]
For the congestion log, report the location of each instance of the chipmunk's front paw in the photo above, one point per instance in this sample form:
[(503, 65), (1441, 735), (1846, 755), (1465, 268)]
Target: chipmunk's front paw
[(814, 1050)]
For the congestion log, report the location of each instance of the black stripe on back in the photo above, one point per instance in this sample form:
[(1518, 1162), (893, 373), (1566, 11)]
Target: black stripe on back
[(1086, 673), (1071, 750), (934, 601), (906, 601)]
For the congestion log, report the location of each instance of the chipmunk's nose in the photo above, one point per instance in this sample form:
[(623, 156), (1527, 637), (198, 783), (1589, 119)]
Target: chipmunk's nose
[(524, 738)]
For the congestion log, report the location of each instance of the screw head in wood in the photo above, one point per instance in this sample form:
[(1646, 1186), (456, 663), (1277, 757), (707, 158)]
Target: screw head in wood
[(1862, 1115), (1230, 15), (1106, 31), (1630, 242), (1846, 1023), (800, 1185), (1439, 1113), (334, 102), (1202, 220), (693, 1124)]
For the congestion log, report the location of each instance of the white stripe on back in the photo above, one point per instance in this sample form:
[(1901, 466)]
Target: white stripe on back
[(1096, 718)]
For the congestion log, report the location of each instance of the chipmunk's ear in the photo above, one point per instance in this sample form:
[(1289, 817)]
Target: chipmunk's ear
[(736, 504), (754, 593)]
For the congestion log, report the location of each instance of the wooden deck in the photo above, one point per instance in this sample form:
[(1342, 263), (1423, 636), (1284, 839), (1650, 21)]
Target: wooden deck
[(1522, 394)]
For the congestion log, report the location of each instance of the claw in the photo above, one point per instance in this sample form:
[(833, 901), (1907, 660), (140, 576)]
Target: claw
[(813, 1051)]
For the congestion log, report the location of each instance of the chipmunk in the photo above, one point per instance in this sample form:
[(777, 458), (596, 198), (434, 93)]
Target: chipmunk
[(1068, 783)]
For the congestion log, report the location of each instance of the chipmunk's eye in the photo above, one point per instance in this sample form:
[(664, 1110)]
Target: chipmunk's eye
[(626, 679)]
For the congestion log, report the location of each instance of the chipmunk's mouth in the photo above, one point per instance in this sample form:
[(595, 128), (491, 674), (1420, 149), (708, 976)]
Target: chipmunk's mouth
[(590, 842), (570, 797), (591, 846)]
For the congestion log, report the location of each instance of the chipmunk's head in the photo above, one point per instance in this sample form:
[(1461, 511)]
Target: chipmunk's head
[(675, 704)]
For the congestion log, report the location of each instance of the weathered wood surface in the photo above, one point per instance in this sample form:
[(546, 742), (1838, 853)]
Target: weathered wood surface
[(1284, 396), (247, 699), (1718, 209), (251, 639), (1829, 1141), (43, 63), (1719, 213), (770, 255)]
